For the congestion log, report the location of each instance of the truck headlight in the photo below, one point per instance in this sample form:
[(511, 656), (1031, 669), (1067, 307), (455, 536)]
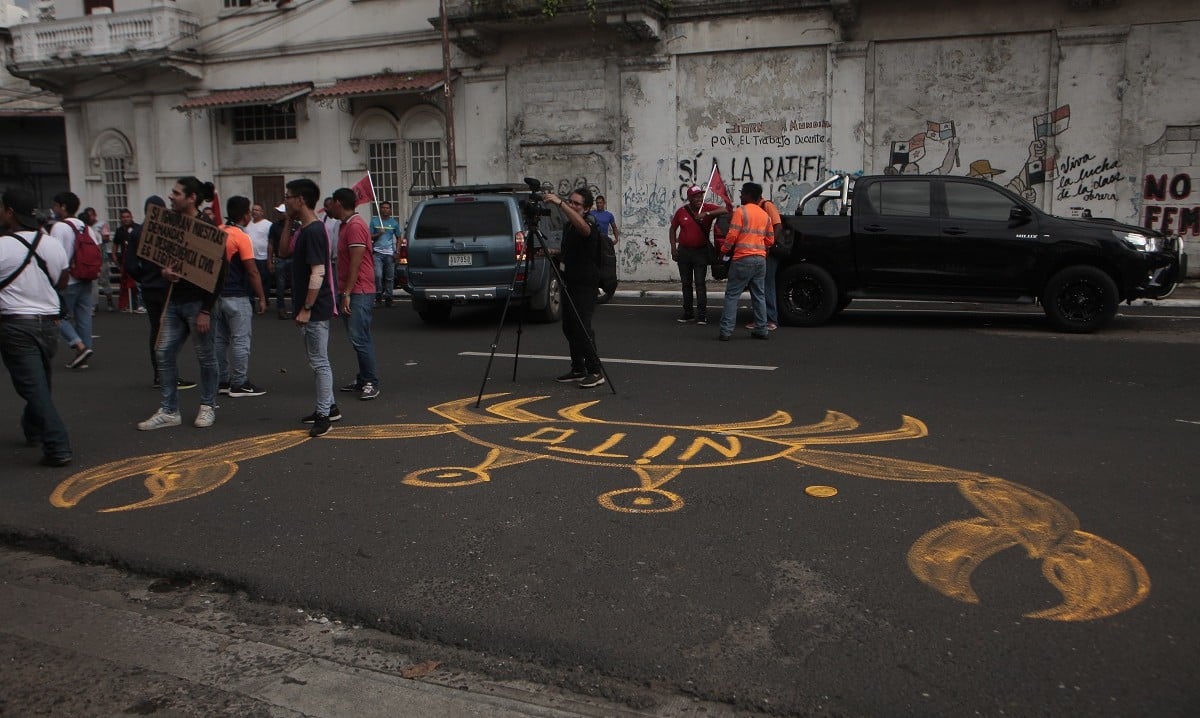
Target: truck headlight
[(1140, 242)]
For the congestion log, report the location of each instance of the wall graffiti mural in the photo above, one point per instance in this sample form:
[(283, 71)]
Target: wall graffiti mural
[(1095, 577), (1085, 177), (1166, 198), (647, 201), (787, 157)]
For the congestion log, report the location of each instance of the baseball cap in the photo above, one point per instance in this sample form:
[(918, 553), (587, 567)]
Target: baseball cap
[(281, 208), (694, 189), (23, 205)]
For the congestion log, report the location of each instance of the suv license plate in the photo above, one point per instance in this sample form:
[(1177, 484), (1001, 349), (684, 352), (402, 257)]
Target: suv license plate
[(460, 260)]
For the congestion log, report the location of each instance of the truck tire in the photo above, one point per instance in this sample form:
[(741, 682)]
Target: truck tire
[(807, 295), (1080, 299), (432, 312), (552, 309)]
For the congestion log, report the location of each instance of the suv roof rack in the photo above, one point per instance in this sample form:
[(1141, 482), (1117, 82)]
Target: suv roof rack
[(469, 189)]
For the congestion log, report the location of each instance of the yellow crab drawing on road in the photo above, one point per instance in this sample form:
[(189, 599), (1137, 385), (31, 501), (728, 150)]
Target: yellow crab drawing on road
[(1096, 577)]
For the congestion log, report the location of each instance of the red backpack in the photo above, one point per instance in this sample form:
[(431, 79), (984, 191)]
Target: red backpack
[(87, 260)]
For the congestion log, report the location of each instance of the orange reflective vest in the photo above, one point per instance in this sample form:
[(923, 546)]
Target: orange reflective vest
[(750, 232)]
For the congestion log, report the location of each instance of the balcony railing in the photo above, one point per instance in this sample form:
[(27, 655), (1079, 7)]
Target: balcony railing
[(150, 30)]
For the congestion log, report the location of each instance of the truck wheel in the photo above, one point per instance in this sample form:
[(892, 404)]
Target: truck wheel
[(552, 312), (1080, 299), (432, 312), (807, 297)]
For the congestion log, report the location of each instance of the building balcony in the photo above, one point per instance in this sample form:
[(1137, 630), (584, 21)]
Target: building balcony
[(58, 52), (477, 24)]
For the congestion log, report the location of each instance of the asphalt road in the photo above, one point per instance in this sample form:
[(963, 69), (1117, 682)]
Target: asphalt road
[(1009, 533)]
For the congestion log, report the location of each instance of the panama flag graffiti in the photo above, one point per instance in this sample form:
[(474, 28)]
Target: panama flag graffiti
[(1052, 123)]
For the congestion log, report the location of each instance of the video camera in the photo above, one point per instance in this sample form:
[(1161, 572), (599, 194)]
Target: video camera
[(533, 206)]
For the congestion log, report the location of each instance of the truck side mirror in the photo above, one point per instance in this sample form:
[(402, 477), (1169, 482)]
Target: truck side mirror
[(1019, 215)]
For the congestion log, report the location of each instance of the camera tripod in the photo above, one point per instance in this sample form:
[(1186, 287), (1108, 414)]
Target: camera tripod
[(537, 243)]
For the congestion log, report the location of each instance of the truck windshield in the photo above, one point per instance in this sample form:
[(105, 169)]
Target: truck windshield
[(463, 219)]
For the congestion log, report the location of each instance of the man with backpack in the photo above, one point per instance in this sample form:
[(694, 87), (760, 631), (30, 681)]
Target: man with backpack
[(31, 265), (84, 259)]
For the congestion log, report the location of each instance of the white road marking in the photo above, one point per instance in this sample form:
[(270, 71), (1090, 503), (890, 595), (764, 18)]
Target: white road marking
[(1187, 421), (607, 360)]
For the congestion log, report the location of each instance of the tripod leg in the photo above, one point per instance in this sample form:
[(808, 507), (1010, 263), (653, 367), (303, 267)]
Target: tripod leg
[(487, 370), (528, 267)]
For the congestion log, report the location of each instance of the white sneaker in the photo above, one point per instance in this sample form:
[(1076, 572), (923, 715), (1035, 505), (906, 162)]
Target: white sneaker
[(160, 420), (205, 417)]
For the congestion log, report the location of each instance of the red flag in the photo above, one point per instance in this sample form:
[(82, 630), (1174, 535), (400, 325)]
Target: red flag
[(716, 188), (216, 208), (364, 190)]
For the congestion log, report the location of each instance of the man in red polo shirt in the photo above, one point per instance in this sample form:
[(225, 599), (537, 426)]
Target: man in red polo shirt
[(690, 228), (356, 289)]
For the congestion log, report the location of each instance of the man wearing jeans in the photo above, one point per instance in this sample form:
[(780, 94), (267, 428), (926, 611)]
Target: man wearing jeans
[(31, 265), (78, 300), (234, 311), (187, 313), (385, 229), (356, 290), (312, 297), (750, 235)]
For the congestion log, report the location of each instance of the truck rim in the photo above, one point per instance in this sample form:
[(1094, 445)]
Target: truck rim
[(1081, 301)]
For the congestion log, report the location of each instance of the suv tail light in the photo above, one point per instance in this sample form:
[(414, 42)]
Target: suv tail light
[(402, 250), (519, 244)]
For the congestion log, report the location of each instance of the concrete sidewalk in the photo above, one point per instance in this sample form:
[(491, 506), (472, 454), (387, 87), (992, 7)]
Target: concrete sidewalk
[(82, 639)]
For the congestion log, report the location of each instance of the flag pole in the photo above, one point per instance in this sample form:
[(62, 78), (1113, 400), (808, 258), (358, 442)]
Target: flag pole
[(374, 195), (708, 188)]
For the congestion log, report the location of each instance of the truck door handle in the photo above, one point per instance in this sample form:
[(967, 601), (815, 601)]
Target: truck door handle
[(953, 230), (875, 228)]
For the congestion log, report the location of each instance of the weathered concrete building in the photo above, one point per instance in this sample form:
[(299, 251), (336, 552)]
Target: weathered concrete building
[(1077, 104)]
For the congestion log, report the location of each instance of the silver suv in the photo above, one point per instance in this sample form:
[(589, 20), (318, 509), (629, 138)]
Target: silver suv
[(467, 245)]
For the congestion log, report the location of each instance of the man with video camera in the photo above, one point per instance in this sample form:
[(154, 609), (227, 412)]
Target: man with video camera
[(581, 275)]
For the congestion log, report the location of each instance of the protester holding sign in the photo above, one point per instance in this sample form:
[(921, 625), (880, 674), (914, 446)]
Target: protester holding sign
[(182, 244)]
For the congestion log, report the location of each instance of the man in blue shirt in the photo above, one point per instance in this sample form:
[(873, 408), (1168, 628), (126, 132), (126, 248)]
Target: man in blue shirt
[(605, 219), (385, 231)]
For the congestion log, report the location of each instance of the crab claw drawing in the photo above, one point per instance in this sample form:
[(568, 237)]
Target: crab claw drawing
[(1096, 577), (172, 477)]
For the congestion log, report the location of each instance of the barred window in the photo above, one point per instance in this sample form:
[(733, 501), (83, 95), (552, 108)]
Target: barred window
[(238, 3), (426, 156), (383, 161), (116, 191), (264, 123)]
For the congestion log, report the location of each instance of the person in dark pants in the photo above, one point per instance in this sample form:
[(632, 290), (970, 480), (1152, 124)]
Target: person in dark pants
[(33, 265), (279, 248), (581, 275), (154, 289)]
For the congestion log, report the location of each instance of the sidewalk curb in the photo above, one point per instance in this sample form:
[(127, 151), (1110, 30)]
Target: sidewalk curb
[(678, 294)]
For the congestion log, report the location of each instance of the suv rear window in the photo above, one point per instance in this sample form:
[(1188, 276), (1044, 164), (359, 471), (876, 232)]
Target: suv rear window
[(463, 219)]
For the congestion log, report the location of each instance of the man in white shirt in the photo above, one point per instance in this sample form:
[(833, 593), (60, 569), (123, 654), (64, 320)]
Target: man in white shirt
[(31, 265), (332, 223), (259, 230), (78, 299)]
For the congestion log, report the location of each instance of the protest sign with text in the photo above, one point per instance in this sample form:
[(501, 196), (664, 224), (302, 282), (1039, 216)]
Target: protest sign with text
[(192, 247)]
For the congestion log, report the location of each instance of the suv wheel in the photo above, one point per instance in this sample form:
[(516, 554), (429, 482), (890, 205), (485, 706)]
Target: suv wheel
[(807, 295), (552, 311), (1080, 299)]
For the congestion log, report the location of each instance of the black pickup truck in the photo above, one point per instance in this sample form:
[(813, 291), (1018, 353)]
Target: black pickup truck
[(962, 239)]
